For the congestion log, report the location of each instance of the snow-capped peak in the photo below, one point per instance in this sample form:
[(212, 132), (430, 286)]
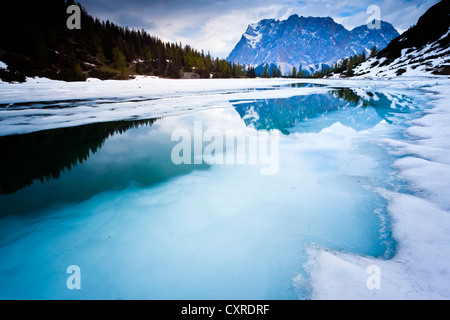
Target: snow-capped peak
[(306, 42)]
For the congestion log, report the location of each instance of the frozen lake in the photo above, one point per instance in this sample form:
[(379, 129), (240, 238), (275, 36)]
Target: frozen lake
[(90, 181)]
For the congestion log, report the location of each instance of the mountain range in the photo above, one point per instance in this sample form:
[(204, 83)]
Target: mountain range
[(308, 43), (41, 45)]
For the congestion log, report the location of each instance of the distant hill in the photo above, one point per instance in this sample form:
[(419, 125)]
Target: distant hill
[(35, 41), (309, 44), (424, 48)]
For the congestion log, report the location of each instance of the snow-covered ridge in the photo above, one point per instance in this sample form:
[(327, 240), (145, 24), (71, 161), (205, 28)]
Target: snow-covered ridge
[(422, 49), (433, 57)]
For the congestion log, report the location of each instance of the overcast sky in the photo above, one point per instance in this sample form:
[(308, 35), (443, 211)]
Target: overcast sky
[(217, 26)]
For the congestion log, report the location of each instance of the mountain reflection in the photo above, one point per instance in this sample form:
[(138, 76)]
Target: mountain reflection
[(291, 114), (286, 113), (44, 155), (349, 95)]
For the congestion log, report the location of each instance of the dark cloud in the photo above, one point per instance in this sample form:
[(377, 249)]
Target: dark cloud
[(219, 24)]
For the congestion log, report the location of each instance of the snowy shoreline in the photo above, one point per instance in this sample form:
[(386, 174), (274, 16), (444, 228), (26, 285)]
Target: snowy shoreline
[(419, 269), (114, 100), (421, 221), (36, 104)]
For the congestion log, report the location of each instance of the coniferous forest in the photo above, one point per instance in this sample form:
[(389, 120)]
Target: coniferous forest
[(35, 41)]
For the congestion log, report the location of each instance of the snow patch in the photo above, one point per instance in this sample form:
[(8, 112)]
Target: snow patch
[(253, 40)]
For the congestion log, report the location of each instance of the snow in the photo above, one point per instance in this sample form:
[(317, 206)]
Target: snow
[(3, 65), (253, 40), (413, 61), (285, 67), (445, 35), (304, 34), (254, 25), (419, 270)]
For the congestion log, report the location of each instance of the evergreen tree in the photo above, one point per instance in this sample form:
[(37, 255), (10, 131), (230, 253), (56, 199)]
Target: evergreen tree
[(273, 73), (78, 72), (119, 60), (148, 56), (373, 52), (100, 54), (266, 72), (251, 73), (344, 64), (350, 70), (279, 72), (294, 72), (302, 74), (208, 63)]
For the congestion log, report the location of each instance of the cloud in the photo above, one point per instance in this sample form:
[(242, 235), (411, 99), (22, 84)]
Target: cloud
[(217, 26), (219, 33)]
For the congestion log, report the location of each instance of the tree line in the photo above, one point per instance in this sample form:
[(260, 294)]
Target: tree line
[(344, 66), (35, 41)]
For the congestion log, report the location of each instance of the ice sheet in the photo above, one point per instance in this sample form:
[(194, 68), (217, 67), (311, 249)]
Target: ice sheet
[(420, 219), (227, 232)]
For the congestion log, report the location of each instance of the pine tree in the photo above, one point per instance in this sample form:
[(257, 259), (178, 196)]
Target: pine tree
[(279, 72), (301, 74), (251, 73), (208, 63), (344, 64), (119, 60), (273, 73), (266, 72), (350, 70), (78, 73), (148, 56), (294, 72), (373, 52), (100, 54)]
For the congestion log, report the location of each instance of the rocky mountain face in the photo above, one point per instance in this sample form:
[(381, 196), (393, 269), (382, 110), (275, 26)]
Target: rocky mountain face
[(306, 43)]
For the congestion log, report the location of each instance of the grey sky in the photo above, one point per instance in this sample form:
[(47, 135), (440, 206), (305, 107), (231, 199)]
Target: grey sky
[(217, 26)]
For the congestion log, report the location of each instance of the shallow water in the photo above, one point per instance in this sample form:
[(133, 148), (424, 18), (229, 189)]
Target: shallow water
[(108, 198)]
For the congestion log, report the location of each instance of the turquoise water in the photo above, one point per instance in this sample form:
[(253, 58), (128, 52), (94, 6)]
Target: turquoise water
[(108, 198)]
